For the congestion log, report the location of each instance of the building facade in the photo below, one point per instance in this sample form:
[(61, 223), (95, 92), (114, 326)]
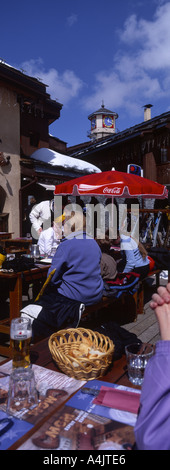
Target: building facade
[(146, 144), (26, 111)]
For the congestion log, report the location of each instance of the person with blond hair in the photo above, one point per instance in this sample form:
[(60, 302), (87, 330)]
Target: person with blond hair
[(76, 280)]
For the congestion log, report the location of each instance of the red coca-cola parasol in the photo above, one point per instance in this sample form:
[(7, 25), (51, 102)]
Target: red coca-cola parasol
[(112, 184)]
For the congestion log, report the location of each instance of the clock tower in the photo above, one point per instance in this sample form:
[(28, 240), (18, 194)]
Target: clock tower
[(102, 123)]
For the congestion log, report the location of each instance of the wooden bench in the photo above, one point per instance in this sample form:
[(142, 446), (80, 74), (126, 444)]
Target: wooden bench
[(107, 302), (104, 303), (138, 298)]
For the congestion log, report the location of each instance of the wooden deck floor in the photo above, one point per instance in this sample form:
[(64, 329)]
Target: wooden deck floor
[(145, 327)]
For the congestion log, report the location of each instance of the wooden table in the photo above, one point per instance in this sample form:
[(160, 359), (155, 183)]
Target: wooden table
[(5, 235), (15, 287), (16, 245), (40, 355), (117, 373)]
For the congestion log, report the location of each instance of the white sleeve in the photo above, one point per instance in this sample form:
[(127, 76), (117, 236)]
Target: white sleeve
[(35, 217), (40, 243), (45, 242), (128, 245), (130, 261)]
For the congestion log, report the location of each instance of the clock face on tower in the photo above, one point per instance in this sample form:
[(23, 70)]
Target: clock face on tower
[(107, 121)]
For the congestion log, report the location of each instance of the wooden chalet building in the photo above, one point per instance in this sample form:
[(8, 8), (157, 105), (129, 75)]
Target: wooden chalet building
[(146, 144), (26, 111)]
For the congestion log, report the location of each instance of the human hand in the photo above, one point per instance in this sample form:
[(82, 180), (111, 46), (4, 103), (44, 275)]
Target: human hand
[(161, 304), (162, 296), (163, 316)]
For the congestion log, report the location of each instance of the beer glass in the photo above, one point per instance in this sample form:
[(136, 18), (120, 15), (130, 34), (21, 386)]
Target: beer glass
[(22, 394), (20, 337)]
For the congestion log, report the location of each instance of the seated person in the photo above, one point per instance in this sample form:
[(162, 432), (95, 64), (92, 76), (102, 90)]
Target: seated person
[(41, 213), (49, 239), (152, 426), (77, 280), (108, 264), (134, 256)]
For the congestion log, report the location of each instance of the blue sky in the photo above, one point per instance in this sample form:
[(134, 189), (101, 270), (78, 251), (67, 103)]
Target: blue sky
[(87, 51)]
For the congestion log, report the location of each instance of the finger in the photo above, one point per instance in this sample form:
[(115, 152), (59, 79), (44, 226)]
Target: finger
[(158, 299), (164, 294), (168, 287), (153, 305)]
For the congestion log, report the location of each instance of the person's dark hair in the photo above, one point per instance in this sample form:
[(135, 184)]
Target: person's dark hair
[(104, 244)]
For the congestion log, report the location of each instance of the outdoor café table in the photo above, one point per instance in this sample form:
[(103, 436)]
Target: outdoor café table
[(14, 282), (117, 373), (5, 235), (17, 245), (41, 356)]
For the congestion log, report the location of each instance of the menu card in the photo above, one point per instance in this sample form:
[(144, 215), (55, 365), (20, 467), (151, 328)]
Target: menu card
[(73, 429), (83, 425), (53, 388)]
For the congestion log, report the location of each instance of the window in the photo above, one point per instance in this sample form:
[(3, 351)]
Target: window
[(164, 155), (34, 139)]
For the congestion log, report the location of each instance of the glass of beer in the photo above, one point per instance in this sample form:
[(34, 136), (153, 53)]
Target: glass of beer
[(20, 337)]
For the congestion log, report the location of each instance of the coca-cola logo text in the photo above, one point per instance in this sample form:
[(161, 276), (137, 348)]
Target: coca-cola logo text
[(112, 190)]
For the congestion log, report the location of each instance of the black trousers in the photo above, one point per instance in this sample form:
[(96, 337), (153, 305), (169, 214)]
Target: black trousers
[(57, 312), (142, 271)]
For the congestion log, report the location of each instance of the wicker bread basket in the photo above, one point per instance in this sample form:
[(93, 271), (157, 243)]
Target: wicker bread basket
[(81, 353)]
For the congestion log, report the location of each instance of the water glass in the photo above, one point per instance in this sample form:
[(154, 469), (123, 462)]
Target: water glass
[(20, 339), (53, 251), (35, 252), (22, 393), (137, 355)]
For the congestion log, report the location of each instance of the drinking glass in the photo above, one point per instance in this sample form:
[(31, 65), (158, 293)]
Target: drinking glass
[(22, 393), (53, 251), (137, 355), (20, 338), (35, 252)]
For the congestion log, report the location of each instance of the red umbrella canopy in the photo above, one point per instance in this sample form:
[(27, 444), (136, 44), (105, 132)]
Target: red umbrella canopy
[(112, 183)]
